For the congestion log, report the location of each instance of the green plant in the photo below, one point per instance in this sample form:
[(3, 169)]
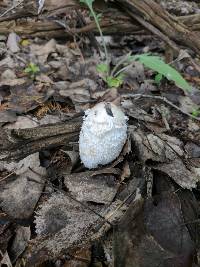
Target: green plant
[(115, 77), (196, 112), (96, 19), (32, 69), (111, 80), (157, 64), (158, 78)]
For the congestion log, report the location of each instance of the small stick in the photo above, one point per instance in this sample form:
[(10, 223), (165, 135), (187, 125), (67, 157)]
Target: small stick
[(11, 8), (164, 99), (5, 177)]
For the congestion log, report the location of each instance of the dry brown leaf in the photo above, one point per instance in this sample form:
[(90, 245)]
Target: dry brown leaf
[(20, 195), (77, 91), (153, 235), (13, 42), (22, 236), (125, 171), (43, 51), (7, 116), (61, 223), (167, 154), (96, 186), (159, 148)]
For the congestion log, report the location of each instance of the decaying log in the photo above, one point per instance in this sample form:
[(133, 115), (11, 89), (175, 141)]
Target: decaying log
[(17, 144), (43, 28), (122, 24), (152, 16), (112, 21)]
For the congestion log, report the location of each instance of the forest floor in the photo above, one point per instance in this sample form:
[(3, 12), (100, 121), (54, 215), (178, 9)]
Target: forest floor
[(140, 210)]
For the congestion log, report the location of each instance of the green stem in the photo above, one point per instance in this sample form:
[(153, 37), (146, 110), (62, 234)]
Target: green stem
[(123, 69), (123, 60), (102, 38)]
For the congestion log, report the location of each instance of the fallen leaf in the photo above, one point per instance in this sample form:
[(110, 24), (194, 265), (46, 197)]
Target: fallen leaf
[(8, 77), (193, 150), (20, 193), (61, 223), (13, 42), (43, 51), (177, 170), (22, 236), (7, 116), (5, 261), (125, 172), (27, 97), (159, 148), (98, 187), (8, 62), (153, 235), (167, 155), (134, 72), (77, 91), (187, 105), (5, 236), (19, 196)]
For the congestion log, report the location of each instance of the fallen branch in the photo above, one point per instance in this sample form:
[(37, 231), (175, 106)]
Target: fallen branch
[(118, 23), (160, 22), (113, 21), (18, 144)]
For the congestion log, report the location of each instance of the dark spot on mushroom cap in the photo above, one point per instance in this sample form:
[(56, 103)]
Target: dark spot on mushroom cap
[(108, 109)]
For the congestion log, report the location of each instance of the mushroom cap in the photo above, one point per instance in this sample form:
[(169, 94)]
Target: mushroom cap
[(103, 134)]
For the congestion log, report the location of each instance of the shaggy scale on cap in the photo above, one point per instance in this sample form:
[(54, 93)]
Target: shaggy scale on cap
[(103, 134)]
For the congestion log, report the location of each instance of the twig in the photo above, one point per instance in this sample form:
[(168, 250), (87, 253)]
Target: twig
[(11, 8), (164, 99), (122, 61), (5, 177)]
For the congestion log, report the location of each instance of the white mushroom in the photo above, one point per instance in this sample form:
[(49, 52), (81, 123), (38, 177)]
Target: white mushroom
[(103, 134)]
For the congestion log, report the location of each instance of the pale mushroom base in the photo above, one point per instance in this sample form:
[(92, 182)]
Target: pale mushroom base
[(103, 149)]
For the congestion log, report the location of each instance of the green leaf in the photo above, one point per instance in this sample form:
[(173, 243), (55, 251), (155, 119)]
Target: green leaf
[(32, 69), (102, 68), (157, 64), (27, 70), (158, 78), (114, 82), (87, 2), (99, 16), (196, 112)]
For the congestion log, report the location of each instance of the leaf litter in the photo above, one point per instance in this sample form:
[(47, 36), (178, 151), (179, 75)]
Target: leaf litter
[(55, 211)]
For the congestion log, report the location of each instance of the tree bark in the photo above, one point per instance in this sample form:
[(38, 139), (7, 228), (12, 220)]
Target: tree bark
[(17, 144), (152, 16), (113, 21)]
